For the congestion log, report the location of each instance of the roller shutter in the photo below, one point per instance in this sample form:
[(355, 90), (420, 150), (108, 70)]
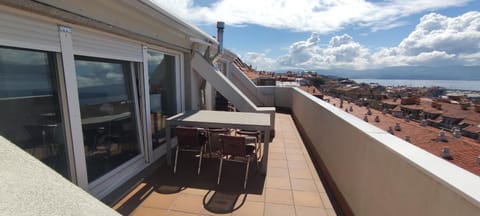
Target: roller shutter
[(26, 32), (96, 44)]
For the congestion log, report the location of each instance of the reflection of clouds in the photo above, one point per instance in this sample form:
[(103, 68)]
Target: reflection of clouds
[(91, 73), (155, 57), (22, 57), (84, 81), (114, 76), (160, 67)]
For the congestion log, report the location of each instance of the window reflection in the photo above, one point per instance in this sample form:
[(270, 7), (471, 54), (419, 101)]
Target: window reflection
[(30, 115), (108, 114), (163, 95)]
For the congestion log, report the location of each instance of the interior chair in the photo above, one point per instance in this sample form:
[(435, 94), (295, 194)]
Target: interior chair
[(235, 149), (253, 136), (190, 139)]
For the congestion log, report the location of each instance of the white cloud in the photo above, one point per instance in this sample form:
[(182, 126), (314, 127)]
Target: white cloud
[(341, 51), (322, 16), (260, 61), (437, 40)]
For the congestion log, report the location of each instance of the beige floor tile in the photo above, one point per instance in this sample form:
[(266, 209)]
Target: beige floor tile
[(277, 163), (295, 157), (296, 164), (292, 146), (278, 183), (291, 139), (144, 211), (305, 198), (277, 149), (279, 210), (310, 211), (250, 209), (256, 197), (294, 150), (303, 185), (331, 212), (158, 200), (320, 187), (195, 191), (278, 196), (206, 212), (326, 201), (300, 173), (277, 172), (188, 203), (277, 156), (179, 213)]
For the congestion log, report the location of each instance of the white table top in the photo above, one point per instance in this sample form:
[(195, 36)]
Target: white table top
[(222, 118)]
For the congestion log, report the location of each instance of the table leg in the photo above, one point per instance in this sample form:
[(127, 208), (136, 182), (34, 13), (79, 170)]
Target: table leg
[(169, 144), (266, 142)]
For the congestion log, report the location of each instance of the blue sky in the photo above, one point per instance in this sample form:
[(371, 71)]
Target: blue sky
[(347, 34)]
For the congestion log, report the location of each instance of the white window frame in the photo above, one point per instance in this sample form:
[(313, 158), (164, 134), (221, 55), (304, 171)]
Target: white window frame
[(155, 154)]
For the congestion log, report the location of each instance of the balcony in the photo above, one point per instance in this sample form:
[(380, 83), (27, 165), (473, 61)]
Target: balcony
[(366, 170), (291, 187)]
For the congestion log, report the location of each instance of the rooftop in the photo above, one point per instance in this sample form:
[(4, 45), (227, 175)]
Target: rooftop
[(464, 150), (291, 186)]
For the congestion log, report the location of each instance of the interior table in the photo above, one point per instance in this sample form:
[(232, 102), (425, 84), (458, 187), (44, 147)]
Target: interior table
[(222, 119)]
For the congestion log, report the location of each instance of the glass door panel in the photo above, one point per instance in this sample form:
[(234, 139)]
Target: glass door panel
[(108, 114), (30, 113), (163, 95)]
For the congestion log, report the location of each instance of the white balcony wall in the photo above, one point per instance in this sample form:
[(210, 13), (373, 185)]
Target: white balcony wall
[(378, 173)]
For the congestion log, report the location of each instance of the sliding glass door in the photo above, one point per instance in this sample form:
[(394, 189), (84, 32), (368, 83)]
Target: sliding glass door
[(108, 112), (164, 95), (30, 107)]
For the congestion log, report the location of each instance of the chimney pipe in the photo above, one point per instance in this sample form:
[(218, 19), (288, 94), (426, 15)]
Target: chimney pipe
[(220, 27)]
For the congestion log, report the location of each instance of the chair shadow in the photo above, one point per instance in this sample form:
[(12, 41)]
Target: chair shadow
[(225, 197)]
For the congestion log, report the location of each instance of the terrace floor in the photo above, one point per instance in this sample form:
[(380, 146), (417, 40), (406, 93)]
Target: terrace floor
[(291, 186)]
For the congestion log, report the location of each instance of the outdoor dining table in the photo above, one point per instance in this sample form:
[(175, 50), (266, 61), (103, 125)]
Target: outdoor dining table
[(222, 119)]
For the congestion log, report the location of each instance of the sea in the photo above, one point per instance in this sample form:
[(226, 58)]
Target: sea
[(466, 85)]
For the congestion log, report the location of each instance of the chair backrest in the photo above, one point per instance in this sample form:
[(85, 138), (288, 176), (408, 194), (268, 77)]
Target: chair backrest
[(187, 136), (214, 134), (233, 145)]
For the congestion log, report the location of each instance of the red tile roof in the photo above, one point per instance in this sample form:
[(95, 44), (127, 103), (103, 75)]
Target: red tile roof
[(251, 73), (464, 150), (311, 90)]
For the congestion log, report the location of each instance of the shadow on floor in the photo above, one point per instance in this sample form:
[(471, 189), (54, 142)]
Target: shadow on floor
[(226, 197)]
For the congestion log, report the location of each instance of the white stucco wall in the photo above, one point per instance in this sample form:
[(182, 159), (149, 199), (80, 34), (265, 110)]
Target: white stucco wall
[(28, 187)]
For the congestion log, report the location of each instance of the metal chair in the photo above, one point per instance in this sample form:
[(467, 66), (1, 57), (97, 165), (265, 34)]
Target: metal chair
[(214, 138), (190, 139), (252, 135), (235, 149)]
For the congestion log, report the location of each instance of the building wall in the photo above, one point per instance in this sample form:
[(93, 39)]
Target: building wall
[(76, 30)]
